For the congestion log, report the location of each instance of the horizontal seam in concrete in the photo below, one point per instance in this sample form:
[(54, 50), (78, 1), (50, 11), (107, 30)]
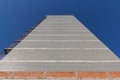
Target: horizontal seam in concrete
[(60, 48), (59, 30), (63, 40), (67, 61)]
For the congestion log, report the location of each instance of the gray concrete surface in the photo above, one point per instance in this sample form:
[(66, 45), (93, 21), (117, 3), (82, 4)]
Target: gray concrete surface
[(60, 43)]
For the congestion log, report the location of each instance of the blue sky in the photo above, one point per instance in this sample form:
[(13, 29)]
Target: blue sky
[(102, 17)]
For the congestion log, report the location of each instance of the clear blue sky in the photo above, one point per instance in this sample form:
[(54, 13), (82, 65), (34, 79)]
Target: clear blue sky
[(102, 17)]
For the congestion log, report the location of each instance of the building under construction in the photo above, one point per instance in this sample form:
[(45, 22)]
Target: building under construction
[(59, 48)]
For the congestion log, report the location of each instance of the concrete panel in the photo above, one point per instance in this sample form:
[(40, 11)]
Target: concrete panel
[(30, 37), (59, 66), (53, 27), (60, 32), (60, 54), (60, 44)]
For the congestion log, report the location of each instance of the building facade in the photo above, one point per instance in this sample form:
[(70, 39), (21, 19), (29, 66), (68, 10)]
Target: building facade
[(60, 46)]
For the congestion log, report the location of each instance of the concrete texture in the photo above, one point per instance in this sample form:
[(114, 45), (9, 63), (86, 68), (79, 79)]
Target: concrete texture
[(63, 44)]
